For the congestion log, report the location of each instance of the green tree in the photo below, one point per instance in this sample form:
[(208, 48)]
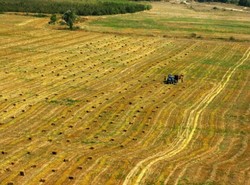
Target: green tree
[(69, 17), (244, 2), (53, 19)]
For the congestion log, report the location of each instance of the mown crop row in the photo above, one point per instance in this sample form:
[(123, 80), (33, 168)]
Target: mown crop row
[(99, 7), (91, 108)]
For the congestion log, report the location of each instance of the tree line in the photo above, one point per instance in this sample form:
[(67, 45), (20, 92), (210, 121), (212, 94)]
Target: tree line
[(238, 2), (96, 7)]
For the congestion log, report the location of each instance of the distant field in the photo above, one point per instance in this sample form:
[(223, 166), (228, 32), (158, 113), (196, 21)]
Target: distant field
[(178, 22), (90, 107)]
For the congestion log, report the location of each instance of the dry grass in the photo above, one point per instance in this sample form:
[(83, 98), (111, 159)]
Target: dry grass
[(91, 108)]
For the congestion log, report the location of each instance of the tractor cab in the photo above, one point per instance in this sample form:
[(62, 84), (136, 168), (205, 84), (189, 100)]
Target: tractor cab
[(173, 79)]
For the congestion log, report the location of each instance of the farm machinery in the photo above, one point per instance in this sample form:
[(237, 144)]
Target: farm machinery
[(173, 79)]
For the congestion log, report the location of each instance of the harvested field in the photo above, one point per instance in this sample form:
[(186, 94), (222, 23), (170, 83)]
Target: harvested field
[(91, 108)]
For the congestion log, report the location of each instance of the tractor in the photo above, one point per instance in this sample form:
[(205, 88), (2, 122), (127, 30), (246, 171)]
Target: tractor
[(173, 79)]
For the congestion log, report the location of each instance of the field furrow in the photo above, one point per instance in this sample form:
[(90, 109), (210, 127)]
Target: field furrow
[(87, 107)]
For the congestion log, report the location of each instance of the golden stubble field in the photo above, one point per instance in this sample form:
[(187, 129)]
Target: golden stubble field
[(91, 108)]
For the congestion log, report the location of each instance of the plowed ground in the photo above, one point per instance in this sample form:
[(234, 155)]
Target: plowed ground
[(91, 108)]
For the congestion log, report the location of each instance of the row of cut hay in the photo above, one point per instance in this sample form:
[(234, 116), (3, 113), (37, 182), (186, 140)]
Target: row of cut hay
[(122, 117)]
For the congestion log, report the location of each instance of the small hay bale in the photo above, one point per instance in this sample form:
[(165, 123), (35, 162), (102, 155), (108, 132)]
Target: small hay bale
[(21, 173), (42, 180)]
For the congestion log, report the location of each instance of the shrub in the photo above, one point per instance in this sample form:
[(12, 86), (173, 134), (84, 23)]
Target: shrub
[(53, 19), (244, 3)]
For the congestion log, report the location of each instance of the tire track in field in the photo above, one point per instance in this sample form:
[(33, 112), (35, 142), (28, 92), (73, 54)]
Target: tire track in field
[(142, 121), (156, 127), (202, 151), (183, 93), (215, 88), (192, 122)]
